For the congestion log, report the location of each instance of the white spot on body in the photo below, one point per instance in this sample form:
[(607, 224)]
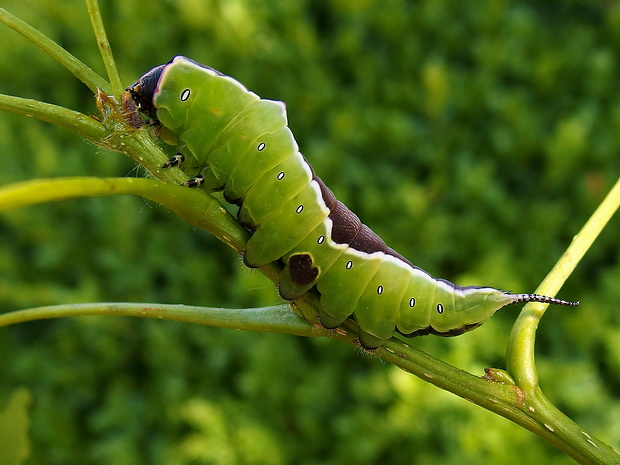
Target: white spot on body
[(380, 290), (320, 240), (280, 176), (210, 72), (185, 95), (349, 265), (299, 209), (440, 308), (261, 147)]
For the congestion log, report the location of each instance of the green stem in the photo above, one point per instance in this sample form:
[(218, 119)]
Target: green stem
[(568, 436), (520, 358), (193, 206), (276, 319), (104, 46), (79, 69), (561, 431), (537, 414), (86, 126), (502, 398)]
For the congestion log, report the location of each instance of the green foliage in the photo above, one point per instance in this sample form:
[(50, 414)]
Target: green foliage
[(474, 137), (14, 423)]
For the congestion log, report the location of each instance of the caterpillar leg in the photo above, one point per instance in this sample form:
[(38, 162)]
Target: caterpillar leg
[(177, 160), (369, 342), (196, 181), (174, 161)]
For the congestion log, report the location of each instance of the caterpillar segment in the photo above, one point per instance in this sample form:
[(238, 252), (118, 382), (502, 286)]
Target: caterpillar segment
[(241, 144)]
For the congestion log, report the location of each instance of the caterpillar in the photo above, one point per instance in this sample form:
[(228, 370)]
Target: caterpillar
[(231, 140)]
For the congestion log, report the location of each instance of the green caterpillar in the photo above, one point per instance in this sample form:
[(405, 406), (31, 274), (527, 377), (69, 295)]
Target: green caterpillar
[(232, 140)]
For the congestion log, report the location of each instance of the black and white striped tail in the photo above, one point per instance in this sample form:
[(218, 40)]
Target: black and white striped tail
[(542, 298)]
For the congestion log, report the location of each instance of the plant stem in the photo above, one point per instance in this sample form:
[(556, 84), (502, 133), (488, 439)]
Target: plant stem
[(276, 319), (79, 69), (520, 358), (194, 206), (561, 431), (104, 46), (534, 413), (86, 126)]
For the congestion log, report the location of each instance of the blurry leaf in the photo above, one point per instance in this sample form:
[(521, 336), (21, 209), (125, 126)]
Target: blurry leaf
[(14, 424)]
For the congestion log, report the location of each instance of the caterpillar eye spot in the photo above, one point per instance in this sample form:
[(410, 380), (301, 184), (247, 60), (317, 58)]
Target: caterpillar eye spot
[(299, 209), (261, 147), (185, 95)]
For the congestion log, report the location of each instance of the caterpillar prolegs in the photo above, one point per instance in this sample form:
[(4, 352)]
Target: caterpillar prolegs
[(241, 144)]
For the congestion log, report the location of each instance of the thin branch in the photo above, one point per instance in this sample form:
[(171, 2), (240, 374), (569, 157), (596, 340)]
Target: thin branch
[(276, 319), (535, 414), (78, 68), (194, 206), (502, 398), (104, 46), (86, 126), (520, 354)]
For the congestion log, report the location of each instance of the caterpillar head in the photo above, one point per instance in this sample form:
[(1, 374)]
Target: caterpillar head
[(143, 90)]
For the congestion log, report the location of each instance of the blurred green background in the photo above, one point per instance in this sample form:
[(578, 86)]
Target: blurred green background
[(475, 137)]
